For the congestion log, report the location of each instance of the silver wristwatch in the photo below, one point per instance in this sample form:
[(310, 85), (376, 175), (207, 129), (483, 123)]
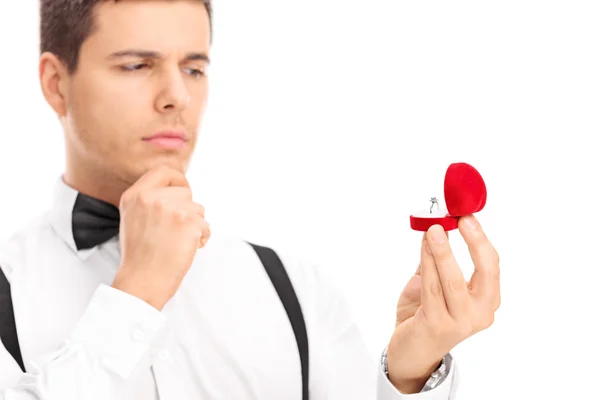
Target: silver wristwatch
[(436, 378)]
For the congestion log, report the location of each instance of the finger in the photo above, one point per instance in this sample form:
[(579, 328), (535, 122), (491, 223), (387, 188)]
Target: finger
[(452, 280), (197, 208), (177, 194), (201, 224), (174, 198), (189, 205), (485, 282), (162, 176), (410, 300), (432, 296), (412, 291), (206, 233), (193, 207), (198, 227), (418, 272)]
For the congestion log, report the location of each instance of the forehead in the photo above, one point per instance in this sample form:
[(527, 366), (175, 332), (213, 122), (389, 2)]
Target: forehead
[(158, 25)]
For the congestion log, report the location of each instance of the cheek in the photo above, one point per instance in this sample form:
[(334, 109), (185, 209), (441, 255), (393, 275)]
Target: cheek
[(106, 117)]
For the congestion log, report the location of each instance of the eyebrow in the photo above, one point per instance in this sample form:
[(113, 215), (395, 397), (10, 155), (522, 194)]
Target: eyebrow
[(156, 55)]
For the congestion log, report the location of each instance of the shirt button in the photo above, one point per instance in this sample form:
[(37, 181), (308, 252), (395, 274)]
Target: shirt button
[(163, 355), (138, 335)]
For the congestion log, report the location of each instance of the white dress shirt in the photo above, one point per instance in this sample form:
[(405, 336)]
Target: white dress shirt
[(224, 335)]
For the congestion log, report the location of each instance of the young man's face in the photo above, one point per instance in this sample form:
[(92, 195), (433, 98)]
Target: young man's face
[(140, 74)]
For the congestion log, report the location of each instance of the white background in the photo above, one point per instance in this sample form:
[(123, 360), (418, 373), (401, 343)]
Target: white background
[(331, 121)]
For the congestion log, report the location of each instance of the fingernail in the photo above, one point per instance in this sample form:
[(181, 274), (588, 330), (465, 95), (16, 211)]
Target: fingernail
[(469, 223), (438, 235)]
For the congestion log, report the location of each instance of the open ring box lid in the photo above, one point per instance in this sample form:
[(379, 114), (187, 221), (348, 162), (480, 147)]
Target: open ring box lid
[(464, 192)]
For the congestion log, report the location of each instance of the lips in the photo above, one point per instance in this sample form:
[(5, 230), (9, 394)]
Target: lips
[(168, 139)]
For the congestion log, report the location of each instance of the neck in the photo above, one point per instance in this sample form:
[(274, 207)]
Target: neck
[(95, 181)]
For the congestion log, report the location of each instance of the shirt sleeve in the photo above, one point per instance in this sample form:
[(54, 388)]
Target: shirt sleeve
[(446, 390), (109, 342)]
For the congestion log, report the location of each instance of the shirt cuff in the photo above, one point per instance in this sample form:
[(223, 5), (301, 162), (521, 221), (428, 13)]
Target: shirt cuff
[(444, 391), (119, 328)]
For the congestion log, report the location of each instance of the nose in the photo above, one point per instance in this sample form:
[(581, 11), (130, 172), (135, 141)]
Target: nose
[(172, 94)]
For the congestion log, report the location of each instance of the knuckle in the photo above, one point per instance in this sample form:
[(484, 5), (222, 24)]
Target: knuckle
[(181, 217), (197, 235), (144, 199), (435, 289), (444, 255), (127, 198), (160, 205), (454, 286)]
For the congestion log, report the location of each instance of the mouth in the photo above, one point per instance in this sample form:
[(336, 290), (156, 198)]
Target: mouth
[(168, 139)]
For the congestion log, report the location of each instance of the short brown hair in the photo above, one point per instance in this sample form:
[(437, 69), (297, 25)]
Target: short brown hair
[(66, 24)]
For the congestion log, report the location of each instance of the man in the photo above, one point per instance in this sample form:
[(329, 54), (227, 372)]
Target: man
[(162, 308)]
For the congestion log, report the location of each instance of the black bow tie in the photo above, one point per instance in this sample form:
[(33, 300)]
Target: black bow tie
[(93, 222)]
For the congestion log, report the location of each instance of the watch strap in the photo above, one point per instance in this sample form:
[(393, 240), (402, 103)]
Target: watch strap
[(436, 378)]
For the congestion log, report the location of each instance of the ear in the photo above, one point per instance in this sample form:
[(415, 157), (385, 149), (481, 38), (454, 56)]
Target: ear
[(54, 82)]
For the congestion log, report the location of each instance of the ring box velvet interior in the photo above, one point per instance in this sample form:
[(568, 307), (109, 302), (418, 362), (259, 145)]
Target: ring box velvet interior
[(464, 192)]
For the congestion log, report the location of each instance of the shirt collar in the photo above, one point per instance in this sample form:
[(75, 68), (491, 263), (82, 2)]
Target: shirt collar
[(61, 216)]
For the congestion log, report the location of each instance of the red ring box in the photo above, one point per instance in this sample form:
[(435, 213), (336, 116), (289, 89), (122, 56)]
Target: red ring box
[(465, 193)]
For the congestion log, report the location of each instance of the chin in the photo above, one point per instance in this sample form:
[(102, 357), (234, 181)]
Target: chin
[(176, 164), (133, 170)]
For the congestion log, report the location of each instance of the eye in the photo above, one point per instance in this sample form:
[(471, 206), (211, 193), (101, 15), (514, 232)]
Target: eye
[(133, 67), (196, 73)]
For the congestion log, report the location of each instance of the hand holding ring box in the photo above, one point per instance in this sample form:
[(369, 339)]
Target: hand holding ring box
[(464, 193)]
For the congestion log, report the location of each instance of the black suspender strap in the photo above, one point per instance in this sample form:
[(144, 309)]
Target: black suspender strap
[(281, 281), (8, 328), (272, 265)]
